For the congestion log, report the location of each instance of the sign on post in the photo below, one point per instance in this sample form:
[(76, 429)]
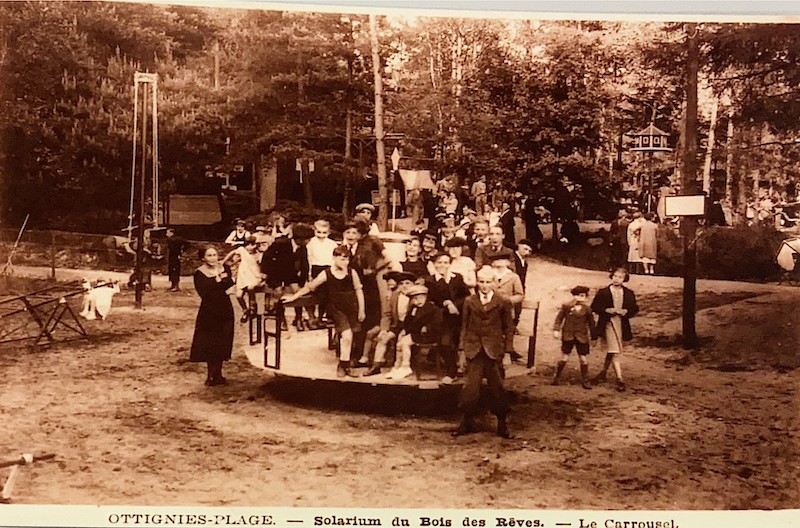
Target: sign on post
[(694, 205)]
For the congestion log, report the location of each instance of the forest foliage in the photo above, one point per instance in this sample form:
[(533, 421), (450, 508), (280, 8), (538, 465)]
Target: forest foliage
[(522, 101)]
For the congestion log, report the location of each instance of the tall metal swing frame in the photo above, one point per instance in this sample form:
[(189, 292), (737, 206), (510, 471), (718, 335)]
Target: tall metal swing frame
[(149, 83)]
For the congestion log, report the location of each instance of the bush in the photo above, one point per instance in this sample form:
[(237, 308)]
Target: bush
[(296, 212), (738, 253), (670, 252), (729, 253)]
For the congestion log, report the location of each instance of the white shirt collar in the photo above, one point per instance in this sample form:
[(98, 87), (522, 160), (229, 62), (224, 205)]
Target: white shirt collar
[(445, 277), (486, 298)]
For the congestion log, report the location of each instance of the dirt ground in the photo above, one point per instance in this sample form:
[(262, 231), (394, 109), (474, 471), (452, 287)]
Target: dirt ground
[(131, 422)]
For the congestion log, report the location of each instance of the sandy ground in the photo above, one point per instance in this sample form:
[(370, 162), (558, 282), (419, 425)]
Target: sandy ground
[(131, 422)]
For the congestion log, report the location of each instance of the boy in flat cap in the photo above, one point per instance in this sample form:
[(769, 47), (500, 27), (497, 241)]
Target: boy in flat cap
[(365, 212), (421, 326), (392, 318), (575, 327)]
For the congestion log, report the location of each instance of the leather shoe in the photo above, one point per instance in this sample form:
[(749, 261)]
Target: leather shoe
[(374, 370), (464, 428), (502, 429)]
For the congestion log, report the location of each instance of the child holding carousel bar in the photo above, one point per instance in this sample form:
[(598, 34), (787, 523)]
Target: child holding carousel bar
[(345, 302), (248, 276)]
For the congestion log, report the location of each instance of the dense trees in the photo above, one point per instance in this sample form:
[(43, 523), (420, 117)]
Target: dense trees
[(521, 101)]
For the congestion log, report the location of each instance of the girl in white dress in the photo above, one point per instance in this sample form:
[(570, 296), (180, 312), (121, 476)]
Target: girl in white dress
[(248, 276)]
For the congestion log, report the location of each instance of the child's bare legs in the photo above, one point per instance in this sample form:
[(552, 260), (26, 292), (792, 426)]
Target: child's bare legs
[(85, 307), (251, 297), (381, 345), (369, 343), (618, 371), (403, 362), (583, 358), (240, 300), (612, 359)]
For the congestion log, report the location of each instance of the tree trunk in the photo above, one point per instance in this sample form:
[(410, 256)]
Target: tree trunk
[(379, 133), (348, 170), (348, 136), (746, 165), (710, 148), (729, 176), (305, 175), (216, 65), (688, 223)]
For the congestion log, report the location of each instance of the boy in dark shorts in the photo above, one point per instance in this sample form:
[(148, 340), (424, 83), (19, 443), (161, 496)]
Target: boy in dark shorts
[(575, 327)]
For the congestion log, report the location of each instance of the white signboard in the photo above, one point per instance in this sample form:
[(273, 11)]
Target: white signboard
[(694, 205)]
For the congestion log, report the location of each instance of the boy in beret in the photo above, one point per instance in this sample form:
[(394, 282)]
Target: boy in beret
[(574, 325), (421, 326)]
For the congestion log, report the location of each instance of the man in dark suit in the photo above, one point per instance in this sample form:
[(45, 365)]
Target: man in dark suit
[(507, 221), (531, 219), (495, 249), (487, 333), (524, 249), (285, 264)]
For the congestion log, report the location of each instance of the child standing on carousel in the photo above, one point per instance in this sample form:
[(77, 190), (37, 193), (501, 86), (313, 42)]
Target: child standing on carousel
[(345, 302), (248, 276)]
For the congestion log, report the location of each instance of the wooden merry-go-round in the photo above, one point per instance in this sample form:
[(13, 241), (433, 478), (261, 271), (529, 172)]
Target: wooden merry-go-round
[(307, 360)]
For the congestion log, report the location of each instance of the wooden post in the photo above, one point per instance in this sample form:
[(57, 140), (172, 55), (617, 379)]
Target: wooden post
[(139, 272), (380, 152), (688, 223), (52, 255), (532, 338)]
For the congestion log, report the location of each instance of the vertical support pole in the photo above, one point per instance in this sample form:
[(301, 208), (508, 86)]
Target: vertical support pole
[(139, 271), (532, 338), (154, 138), (688, 223), (280, 314), (254, 327), (52, 255), (133, 162)]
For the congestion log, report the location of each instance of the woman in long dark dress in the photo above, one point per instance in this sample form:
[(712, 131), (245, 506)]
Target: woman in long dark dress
[(213, 331)]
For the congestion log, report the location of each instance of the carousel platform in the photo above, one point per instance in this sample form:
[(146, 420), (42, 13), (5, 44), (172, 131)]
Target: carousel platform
[(303, 368), (310, 355)]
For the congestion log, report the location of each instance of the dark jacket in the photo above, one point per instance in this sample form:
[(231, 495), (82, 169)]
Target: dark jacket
[(603, 301), (424, 323), (283, 264), (522, 268), (439, 292), (484, 256), (507, 223), (489, 327), (575, 322)]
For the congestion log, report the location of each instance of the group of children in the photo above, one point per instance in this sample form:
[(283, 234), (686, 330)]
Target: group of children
[(384, 312)]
